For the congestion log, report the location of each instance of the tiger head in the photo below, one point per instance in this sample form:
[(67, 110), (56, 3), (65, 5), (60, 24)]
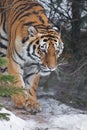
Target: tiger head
[(45, 47)]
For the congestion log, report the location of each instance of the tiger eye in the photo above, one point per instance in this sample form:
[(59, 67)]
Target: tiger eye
[(25, 39), (37, 42), (45, 40), (55, 40)]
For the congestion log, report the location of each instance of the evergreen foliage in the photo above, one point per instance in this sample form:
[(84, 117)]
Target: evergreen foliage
[(2, 62), (4, 115), (5, 87)]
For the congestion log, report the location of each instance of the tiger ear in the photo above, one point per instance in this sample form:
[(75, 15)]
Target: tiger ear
[(58, 29), (32, 31)]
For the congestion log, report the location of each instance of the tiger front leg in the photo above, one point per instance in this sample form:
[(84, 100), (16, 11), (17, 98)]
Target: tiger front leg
[(15, 70), (28, 99), (19, 100), (32, 104)]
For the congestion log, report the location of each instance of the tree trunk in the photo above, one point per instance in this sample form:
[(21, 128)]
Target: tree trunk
[(75, 31)]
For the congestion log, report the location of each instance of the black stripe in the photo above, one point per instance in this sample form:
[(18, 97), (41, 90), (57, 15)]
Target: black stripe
[(3, 38), (2, 55), (28, 23), (28, 14), (27, 82), (4, 23), (3, 20), (19, 15), (32, 64), (19, 9), (35, 55), (49, 36), (3, 69), (3, 46), (34, 47), (1, 16), (34, 89), (41, 26), (15, 60), (16, 2), (28, 75), (33, 5), (25, 15), (28, 50), (30, 93), (31, 56), (19, 55), (41, 19), (26, 9)]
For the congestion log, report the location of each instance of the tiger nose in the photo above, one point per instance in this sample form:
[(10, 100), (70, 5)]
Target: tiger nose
[(52, 68)]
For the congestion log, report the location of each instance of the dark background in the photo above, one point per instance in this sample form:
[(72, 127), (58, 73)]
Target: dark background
[(70, 79)]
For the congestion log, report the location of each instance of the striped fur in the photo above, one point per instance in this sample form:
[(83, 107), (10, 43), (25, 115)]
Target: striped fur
[(31, 45)]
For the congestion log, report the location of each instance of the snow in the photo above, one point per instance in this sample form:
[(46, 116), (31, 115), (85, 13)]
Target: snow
[(54, 116), (15, 123)]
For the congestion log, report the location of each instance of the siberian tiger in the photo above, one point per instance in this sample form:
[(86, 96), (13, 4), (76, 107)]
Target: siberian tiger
[(32, 46)]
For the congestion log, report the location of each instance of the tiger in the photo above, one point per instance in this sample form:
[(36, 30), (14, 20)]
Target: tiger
[(31, 45)]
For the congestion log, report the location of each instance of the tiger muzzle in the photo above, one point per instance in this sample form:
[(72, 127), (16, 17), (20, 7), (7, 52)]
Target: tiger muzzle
[(51, 59), (50, 62)]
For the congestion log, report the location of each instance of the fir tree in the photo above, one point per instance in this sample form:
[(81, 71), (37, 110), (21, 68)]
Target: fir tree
[(5, 86)]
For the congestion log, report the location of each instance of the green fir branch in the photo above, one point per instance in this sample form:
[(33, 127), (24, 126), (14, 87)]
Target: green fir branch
[(6, 89), (4, 116), (9, 91), (1, 106), (7, 78), (2, 62)]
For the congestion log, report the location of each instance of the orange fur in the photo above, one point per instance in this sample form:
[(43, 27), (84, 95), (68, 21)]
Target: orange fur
[(26, 25)]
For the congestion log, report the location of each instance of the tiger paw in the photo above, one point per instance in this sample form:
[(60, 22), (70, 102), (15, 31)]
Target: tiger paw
[(33, 106), (19, 100)]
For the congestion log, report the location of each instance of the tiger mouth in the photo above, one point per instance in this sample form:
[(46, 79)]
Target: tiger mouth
[(47, 69)]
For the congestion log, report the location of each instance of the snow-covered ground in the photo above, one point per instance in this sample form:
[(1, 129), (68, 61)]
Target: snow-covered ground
[(54, 116)]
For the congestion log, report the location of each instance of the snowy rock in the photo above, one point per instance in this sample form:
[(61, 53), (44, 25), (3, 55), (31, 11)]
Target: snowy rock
[(54, 116)]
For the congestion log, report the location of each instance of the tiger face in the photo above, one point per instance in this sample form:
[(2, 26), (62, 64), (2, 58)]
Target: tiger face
[(45, 48)]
